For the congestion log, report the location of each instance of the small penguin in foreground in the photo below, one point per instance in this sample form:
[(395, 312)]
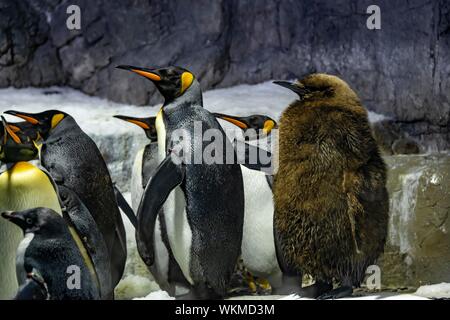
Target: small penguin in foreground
[(74, 161), (203, 203), (47, 255), (331, 202)]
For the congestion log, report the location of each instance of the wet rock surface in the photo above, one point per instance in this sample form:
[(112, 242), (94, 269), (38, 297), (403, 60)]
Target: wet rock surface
[(401, 70), (418, 246)]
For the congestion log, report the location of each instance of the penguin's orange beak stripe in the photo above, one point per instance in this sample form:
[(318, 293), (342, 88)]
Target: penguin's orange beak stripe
[(141, 124), (13, 135), (150, 75), (14, 128), (27, 118), (238, 123)]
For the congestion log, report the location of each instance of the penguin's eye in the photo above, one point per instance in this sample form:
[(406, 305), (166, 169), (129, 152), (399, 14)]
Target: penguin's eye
[(28, 220)]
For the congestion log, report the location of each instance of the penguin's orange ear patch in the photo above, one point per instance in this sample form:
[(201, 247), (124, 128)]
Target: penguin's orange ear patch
[(56, 119), (268, 126), (186, 80)]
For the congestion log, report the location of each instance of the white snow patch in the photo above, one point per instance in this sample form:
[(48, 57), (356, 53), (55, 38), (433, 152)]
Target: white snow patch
[(94, 115), (133, 286), (157, 295), (435, 291)]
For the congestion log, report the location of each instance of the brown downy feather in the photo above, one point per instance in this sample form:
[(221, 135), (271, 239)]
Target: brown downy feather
[(330, 197)]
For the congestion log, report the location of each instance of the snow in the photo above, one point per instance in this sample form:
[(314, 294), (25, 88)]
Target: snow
[(133, 286), (435, 291), (367, 296), (157, 295), (94, 115)]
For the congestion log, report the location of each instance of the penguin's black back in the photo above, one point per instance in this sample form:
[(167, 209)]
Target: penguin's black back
[(70, 153), (214, 204), (51, 255)]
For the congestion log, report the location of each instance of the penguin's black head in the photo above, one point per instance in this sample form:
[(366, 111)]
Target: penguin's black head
[(172, 82), (15, 146), (148, 124), (255, 121), (36, 220), (42, 122)]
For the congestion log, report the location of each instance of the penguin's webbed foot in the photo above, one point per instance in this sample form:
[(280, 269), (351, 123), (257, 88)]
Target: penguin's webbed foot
[(338, 293)]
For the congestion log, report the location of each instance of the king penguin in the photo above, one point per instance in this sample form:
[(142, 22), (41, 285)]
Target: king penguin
[(22, 186), (46, 256), (165, 269), (40, 189), (203, 204), (74, 161)]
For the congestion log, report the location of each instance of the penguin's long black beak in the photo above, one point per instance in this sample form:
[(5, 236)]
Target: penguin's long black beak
[(28, 117), (13, 217), (151, 74), (293, 87), (10, 132)]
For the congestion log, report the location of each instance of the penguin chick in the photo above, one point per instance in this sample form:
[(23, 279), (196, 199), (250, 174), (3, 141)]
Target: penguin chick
[(331, 203), (46, 255)]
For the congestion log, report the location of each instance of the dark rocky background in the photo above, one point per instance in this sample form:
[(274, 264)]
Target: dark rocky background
[(401, 70)]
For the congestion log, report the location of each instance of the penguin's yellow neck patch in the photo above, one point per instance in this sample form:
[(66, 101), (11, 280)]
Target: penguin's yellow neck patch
[(56, 119), (186, 80)]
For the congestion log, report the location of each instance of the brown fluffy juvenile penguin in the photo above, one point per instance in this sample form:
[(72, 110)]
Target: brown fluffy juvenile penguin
[(331, 203)]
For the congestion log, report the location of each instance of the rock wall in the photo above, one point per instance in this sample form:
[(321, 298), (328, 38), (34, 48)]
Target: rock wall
[(401, 70), (418, 247)]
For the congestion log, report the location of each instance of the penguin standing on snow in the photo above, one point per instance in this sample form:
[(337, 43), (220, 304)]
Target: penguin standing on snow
[(331, 203), (23, 178), (203, 203), (22, 186), (165, 269), (45, 256), (74, 161)]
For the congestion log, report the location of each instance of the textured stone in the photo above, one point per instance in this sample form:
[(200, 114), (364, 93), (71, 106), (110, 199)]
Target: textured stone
[(418, 247), (401, 70)]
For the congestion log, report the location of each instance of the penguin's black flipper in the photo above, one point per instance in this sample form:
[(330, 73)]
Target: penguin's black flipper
[(79, 217), (125, 207), (32, 289), (168, 175)]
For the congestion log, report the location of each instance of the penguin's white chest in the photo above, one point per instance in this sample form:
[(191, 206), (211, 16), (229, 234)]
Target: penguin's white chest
[(178, 229), (20, 257), (258, 245)]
